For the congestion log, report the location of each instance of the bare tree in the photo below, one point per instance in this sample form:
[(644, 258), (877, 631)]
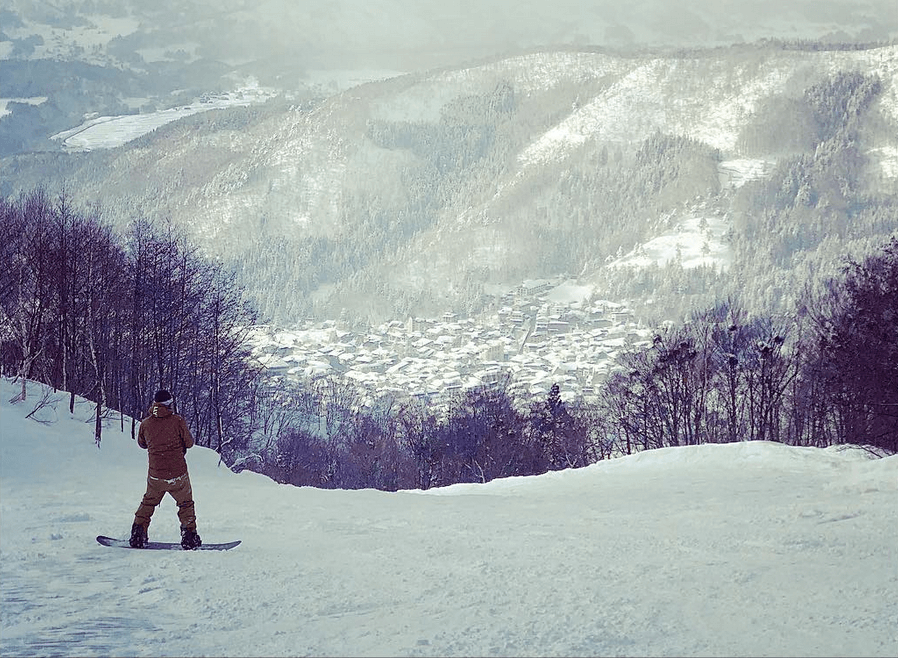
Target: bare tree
[(856, 353), (32, 274)]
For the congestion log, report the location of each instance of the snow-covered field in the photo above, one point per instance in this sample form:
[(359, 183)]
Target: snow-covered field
[(740, 550), (693, 241), (103, 132)]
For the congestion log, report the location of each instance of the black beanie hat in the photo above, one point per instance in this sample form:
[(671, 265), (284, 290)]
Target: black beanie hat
[(163, 397)]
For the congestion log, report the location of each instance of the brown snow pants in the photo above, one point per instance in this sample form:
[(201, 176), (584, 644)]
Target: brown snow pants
[(180, 490)]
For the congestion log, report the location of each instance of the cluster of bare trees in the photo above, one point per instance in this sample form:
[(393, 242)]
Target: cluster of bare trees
[(720, 378), (483, 434), (112, 318), (855, 369), (824, 375)]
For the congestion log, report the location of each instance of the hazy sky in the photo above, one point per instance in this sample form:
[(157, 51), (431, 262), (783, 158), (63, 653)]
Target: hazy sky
[(441, 31), (421, 33)]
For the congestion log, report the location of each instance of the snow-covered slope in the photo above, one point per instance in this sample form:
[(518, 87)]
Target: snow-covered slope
[(744, 549)]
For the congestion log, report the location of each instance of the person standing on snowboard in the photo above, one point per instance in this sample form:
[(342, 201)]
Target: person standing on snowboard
[(165, 437)]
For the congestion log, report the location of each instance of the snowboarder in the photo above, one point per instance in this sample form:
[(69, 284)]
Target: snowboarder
[(165, 437)]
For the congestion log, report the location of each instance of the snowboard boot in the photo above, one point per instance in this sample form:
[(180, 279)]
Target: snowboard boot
[(138, 536), (189, 539)]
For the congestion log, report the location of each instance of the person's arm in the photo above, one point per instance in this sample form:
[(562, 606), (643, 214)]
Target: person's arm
[(186, 437)]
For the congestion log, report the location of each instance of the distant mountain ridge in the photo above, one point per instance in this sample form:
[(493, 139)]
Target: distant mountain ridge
[(421, 192)]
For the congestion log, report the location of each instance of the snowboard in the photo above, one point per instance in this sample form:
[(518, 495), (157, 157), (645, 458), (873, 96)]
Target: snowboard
[(165, 545)]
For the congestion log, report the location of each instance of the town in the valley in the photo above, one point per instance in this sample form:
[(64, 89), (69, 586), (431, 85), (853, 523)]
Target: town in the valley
[(541, 335)]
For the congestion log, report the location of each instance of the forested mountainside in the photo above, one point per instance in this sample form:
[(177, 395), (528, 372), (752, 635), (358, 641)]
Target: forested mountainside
[(425, 192)]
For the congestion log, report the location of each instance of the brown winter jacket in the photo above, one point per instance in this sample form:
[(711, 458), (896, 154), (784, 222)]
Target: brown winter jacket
[(166, 438)]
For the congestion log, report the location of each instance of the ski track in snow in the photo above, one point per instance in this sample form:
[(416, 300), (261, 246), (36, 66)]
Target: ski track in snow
[(742, 549)]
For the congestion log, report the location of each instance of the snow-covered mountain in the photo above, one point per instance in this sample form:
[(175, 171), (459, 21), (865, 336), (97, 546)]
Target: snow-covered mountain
[(739, 549), (413, 192)]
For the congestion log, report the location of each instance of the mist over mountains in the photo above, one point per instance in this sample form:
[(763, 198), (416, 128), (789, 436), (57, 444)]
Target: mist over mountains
[(440, 189), (62, 59), (282, 36)]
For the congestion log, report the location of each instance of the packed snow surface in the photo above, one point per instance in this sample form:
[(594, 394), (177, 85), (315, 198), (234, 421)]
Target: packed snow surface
[(743, 549)]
